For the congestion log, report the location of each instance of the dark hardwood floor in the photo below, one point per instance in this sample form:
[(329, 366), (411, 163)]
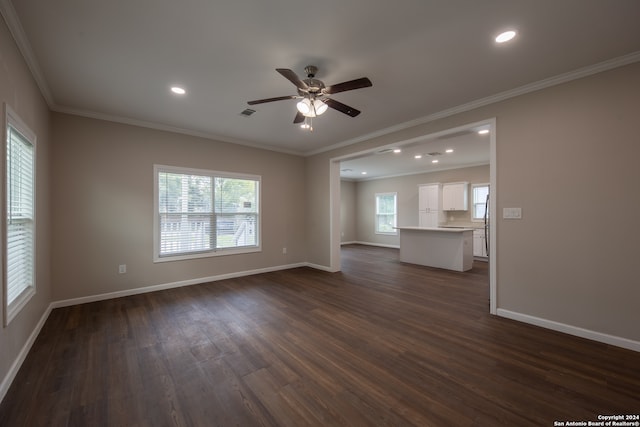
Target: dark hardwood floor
[(380, 344)]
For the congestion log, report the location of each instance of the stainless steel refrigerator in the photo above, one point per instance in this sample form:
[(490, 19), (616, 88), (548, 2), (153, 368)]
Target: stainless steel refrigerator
[(486, 225)]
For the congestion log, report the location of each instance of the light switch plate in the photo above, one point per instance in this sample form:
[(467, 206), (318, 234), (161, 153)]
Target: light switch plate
[(512, 213)]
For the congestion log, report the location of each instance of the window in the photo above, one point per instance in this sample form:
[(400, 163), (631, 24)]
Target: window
[(19, 209), (480, 194), (203, 213), (386, 212)]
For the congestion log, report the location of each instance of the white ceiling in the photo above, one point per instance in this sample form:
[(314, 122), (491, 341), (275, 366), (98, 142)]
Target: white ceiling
[(117, 59), (468, 148)]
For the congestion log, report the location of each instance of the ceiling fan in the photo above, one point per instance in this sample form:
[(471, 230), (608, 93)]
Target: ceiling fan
[(314, 94)]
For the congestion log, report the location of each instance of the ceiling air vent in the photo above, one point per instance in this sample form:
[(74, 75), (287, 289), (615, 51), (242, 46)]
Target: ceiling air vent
[(384, 150), (247, 112), (435, 153)]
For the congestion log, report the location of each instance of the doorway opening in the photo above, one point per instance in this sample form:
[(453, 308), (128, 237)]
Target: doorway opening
[(430, 147)]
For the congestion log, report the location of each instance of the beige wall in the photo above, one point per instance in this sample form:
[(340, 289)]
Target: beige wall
[(407, 189), (103, 205), (318, 211), (19, 91), (348, 211), (567, 155)]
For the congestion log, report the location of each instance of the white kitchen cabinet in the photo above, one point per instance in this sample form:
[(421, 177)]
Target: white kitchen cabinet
[(428, 219), (455, 196), (479, 245), (449, 248), (429, 197), (429, 205)]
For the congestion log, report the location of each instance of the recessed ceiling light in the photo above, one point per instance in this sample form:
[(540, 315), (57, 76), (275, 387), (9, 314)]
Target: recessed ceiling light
[(434, 161), (449, 150), (397, 150), (418, 156), (505, 36), (363, 173), (178, 90), (483, 131)]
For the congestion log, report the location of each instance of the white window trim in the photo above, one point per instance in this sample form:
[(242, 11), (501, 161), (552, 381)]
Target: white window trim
[(11, 310), (375, 224), (213, 252), (473, 205)]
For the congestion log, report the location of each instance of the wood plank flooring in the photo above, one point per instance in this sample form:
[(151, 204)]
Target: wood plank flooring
[(381, 343)]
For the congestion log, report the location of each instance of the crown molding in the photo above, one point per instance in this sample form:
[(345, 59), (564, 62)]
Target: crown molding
[(17, 32), (15, 27), (168, 128), (512, 93), (502, 96)]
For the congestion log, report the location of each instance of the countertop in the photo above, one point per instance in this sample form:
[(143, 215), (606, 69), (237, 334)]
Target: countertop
[(441, 229)]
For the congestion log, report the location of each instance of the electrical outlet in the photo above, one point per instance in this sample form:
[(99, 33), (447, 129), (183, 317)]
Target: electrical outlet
[(122, 268), (284, 251)]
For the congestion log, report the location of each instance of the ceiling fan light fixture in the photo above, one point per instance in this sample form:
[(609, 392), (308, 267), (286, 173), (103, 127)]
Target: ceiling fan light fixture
[(319, 106), (313, 94), (307, 124), (311, 109), (304, 106)]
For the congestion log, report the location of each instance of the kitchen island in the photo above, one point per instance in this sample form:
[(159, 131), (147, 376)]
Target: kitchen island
[(449, 248)]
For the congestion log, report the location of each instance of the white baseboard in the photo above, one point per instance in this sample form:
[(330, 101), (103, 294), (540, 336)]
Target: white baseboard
[(179, 284), (556, 326), (321, 267), (380, 245), (571, 330), (17, 363)]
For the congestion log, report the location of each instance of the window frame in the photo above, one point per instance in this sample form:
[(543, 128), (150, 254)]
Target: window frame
[(158, 257), (13, 308), (395, 213), (473, 200)]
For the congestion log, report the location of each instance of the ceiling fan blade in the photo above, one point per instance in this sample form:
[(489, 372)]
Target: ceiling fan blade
[(278, 98), (299, 118), (350, 85), (350, 111), (293, 78)]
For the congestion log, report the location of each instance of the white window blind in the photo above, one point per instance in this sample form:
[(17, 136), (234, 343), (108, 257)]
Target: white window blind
[(205, 213), (185, 213), (19, 276), (386, 213), (480, 193)]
